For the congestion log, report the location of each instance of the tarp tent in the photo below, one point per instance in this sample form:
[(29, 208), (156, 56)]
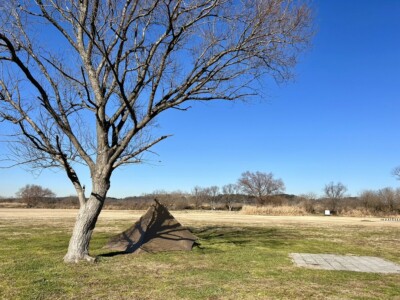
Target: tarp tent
[(157, 230)]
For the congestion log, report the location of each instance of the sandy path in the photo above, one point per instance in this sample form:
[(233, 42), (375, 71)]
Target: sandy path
[(197, 217)]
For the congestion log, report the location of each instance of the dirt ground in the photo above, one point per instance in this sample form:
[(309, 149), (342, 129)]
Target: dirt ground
[(191, 218)]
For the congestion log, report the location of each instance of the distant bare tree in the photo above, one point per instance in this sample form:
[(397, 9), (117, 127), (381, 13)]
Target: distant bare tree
[(172, 200), (229, 190), (198, 196), (213, 194), (370, 201), (32, 194), (309, 196), (84, 82), (202, 195), (386, 200), (390, 199), (334, 192), (309, 202), (396, 172), (260, 185)]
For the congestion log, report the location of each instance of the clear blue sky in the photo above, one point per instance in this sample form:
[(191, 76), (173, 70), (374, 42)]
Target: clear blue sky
[(337, 121)]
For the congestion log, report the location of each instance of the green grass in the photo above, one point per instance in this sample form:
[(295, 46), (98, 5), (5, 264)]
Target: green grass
[(231, 263)]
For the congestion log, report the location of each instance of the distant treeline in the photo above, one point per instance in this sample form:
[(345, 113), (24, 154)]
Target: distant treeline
[(369, 203), (252, 189)]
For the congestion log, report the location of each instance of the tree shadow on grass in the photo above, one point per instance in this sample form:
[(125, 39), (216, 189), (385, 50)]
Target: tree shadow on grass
[(246, 236), (112, 254)]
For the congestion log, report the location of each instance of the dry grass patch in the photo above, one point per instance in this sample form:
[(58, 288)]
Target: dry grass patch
[(12, 205), (364, 213), (274, 210)]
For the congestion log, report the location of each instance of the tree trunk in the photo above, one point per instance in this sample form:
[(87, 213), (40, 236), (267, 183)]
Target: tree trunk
[(78, 248)]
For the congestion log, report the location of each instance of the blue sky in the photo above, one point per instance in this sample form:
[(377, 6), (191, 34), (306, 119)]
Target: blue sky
[(337, 121)]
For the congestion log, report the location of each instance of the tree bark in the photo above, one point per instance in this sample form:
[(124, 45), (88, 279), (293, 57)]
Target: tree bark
[(78, 248)]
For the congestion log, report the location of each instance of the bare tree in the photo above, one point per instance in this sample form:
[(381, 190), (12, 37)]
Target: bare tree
[(32, 194), (229, 190), (396, 172), (386, 200), (334, 192), (213, 195), (369, 200), (172, 200), (260, 185), (198, 196), (309, 201), (390, 199), (84, 81)]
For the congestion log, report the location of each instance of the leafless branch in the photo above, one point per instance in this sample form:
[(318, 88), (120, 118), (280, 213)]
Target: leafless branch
[(93, 95)]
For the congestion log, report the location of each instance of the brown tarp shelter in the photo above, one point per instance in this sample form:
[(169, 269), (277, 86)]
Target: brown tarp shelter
[(157, 230)]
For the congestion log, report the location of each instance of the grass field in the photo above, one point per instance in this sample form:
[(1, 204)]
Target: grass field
[(240, 257)]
